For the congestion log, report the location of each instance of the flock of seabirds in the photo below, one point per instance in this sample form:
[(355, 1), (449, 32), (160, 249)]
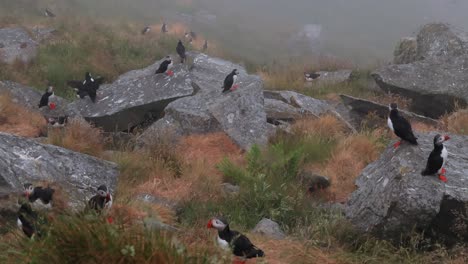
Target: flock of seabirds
[(240, 245)]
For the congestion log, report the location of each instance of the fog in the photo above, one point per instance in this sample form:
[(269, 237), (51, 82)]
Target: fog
[(362, 31)]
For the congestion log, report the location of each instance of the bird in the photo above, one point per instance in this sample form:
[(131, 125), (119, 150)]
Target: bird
[(45, 98), (230, 80), (166, 66), (205, 45), (48, 13), (59, 121), (102, 200), (229, 239), (88, 87), (437, 158), (145, 30), (35, 194), (27, 220), (400, 126), (164, 28), (181, 51), (309, 77)]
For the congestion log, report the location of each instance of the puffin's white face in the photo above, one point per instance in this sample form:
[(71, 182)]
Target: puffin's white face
[(28, 190), (216, 223), (102, 193), (51, 89), (441, 139)]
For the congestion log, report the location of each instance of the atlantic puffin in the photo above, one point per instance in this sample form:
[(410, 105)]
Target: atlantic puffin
[(45, 98), (102, 200), (27, 220), (165, 66), (229, 239), (400, 126), (230, 81), (145, 30), (36, 194), (437, 158), (59, 121), (164, 28), (181, 51), (48, 13), (88, 87), (309, 77)]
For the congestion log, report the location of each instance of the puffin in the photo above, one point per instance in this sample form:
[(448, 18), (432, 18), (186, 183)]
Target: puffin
[(230, 80), (48, 13), (102, 200), (309, 77), (145, 30), (45, 98), (205, 45), (164, 28), (36, 194), (27, 220), (437, 158), (400, 126), (88, 87), (59, 121), (181, 51), (240, 245), (166, 66)]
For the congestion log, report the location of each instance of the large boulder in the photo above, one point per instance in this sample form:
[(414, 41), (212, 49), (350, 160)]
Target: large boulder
[(240, 113), (134, 98), (16, 44), (24, 160), (392, 197), (30, 98), (434, 75), (406, 51)]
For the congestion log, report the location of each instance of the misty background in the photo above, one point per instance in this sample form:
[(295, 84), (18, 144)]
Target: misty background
[(361, 31)]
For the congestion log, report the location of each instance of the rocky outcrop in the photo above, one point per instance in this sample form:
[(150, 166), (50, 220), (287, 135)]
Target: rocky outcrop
[(24, 160), (436, 79), (16, 44), (135, 98), (361, 108), (406, 51), (269, 228), (392, 197), (30, 98)]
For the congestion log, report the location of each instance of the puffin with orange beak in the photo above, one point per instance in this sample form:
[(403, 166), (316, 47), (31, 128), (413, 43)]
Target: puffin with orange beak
[(240, 245), (437, 158), (102, 200)]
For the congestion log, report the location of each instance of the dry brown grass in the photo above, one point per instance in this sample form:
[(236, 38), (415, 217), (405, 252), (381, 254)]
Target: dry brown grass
[(17, 120), (79, 136), (457, 122), (326, 127)]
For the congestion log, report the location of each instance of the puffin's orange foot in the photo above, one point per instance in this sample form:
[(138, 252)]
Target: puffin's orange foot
[(234, 87), (443, 171), (110, 220), (396, 145), (443, 178), (170, 73), (52, 106), (238, 261)]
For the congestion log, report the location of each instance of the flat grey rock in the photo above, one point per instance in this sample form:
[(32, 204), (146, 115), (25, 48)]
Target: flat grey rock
[(16, 44), (269, 228)]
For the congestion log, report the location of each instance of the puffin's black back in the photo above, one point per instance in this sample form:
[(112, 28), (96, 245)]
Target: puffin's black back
[(402, 127)]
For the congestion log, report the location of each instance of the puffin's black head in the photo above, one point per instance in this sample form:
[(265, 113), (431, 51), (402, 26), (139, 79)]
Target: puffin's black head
[(168, 58), (102, 190), (180, 42), (28, 189), (235, 72), (88, 76), (393, 106), (219, 223), (439, 139)]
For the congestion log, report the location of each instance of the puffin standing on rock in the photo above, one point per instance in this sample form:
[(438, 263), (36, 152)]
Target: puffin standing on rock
[(45, 98), (181, 51), (230, 239), (88, 87), (437, 158), (165, 67), (230, 81), (400, 126)]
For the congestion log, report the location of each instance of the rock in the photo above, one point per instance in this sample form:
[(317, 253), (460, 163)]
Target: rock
[(230, 189), (406, 51), (43, 34), (135, 98), (240, 113), (333, 77), (30, 97), (392, 197), (269, 228), (361, 108), (314, 181), (435, 75), (154, 224), (148, 198), (17, 45), (24, 160)]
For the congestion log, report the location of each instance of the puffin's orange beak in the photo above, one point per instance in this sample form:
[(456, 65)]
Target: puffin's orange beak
[(210, 224), (52, 106), (446, 138)]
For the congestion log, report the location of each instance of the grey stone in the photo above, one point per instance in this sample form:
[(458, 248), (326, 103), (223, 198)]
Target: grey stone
[(134, 98), (334, 77), (230, 189), (17, 45), (362, 107), (406, 51), (24, 160), (154, 224), (392, 197), (148, 198), (43, 34), (314, 181), (269, 228), (440, 40)]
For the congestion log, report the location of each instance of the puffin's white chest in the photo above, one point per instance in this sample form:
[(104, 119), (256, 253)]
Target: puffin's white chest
[(169, 66), (390, 124), (444, 155), (19, 223), (234, 79), (222, 243)]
